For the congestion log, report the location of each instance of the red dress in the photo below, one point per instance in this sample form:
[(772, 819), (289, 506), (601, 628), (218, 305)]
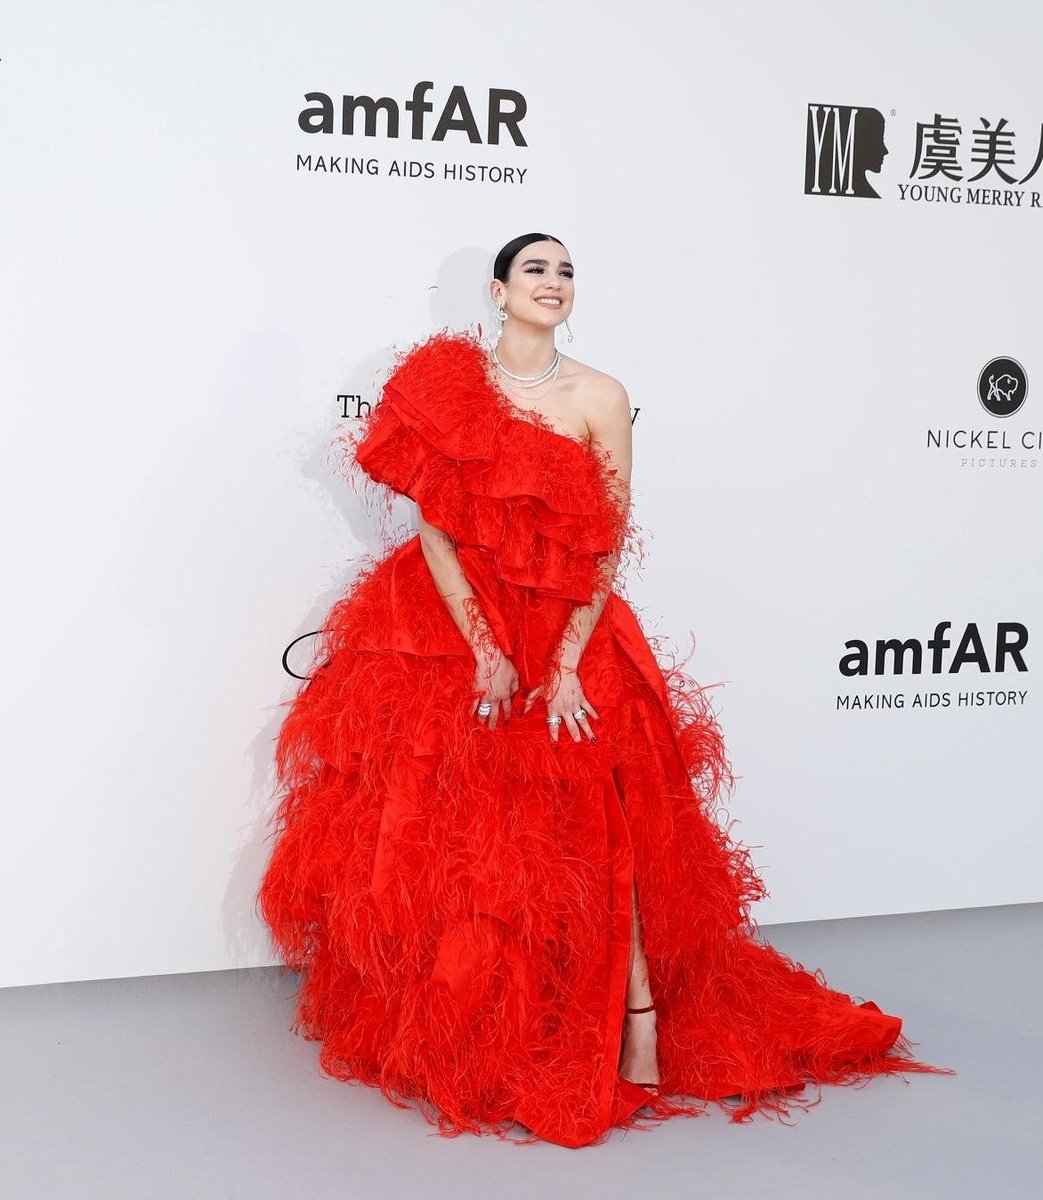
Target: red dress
[(458, 899)]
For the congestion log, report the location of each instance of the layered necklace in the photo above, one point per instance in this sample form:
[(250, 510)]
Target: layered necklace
[(525, 383)]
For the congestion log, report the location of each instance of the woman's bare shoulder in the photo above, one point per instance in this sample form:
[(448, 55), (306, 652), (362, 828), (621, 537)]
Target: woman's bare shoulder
[(594, 387)]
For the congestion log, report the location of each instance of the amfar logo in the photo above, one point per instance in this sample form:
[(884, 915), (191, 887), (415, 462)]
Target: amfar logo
[(843, 143), (504, 110), (889, 656), (1002, 386)]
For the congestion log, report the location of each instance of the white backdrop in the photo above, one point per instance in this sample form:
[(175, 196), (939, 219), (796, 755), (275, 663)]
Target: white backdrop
[(185, 296)]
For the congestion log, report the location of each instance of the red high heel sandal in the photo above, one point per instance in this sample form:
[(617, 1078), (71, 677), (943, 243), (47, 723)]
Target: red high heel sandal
[(651, 1087)]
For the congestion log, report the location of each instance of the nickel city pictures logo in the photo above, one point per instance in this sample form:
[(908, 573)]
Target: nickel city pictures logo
[(1002, 387)]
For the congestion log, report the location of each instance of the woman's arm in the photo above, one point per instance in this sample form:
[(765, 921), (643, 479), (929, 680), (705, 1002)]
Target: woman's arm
[(608, 420), (451, 584), (611, 429), (495, 677)]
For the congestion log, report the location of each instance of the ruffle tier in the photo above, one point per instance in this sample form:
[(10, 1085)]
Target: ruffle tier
[(532, 498)]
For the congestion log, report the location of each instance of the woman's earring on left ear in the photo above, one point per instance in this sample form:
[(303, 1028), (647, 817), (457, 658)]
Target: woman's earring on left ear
[(501, 317), (568, 329)]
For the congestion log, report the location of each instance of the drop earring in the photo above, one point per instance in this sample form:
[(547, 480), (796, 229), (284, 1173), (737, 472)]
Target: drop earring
[(568, 330), (501, 317)]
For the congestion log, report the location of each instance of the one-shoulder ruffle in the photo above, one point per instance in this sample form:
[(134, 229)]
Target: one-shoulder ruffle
[(548, 509)]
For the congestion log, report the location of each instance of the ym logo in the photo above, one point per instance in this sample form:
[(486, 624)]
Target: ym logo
[(843, 143)]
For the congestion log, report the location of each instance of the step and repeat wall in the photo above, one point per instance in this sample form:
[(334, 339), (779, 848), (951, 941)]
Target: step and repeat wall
[(806, 240)]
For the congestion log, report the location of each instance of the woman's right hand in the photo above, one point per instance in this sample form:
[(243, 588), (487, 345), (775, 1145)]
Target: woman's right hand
[(495, 680)]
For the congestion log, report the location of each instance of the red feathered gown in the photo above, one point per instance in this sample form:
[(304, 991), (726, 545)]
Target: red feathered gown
[(458, 899)]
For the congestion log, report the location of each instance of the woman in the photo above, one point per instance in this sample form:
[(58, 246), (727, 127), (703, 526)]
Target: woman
[(497, 921)]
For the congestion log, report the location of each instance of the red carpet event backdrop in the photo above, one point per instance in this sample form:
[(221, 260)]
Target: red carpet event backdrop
[(805, 239)]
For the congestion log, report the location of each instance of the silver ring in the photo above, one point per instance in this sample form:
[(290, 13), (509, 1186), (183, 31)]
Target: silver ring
[(485, 708), (580, 714), (555, 720)]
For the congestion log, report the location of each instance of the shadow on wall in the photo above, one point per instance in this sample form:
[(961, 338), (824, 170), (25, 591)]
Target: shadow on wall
[(459, 300)]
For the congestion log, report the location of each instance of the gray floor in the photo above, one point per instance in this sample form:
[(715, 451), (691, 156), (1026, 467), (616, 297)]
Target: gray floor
[(192, 1086)]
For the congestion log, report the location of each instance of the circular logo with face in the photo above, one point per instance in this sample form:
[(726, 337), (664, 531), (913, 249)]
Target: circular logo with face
[(1002, 386)]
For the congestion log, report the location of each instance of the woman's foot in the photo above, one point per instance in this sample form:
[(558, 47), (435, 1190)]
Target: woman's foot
[(638, 1062)]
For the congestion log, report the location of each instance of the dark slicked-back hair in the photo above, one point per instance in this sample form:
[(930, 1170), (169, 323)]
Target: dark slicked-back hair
[(502, 265)]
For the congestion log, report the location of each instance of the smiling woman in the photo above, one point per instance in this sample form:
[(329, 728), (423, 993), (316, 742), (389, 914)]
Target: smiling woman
[(502, 924), (533, 289)]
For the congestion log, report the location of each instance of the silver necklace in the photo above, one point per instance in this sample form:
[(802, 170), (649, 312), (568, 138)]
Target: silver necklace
[(530, 381), (531, 393)]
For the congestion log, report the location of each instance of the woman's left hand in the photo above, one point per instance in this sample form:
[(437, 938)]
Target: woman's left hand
[(565, 700)]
